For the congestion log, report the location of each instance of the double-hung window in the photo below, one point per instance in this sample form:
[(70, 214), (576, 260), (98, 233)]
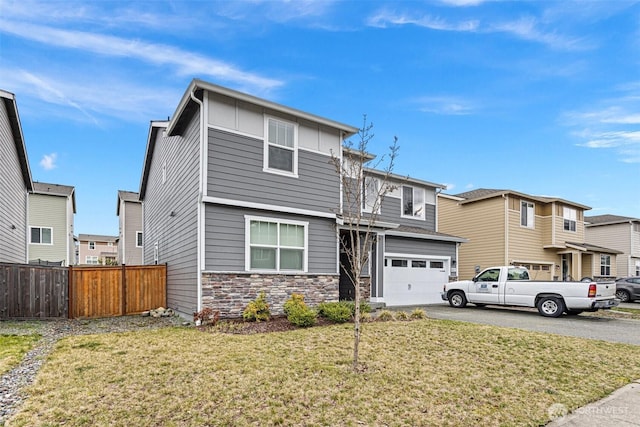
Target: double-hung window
[(138, 239), (413, 202), (281, 146), (605, 265), (569, 216), (527, 214), (41, 235), (276, 245), (92, 245), (371, 195)]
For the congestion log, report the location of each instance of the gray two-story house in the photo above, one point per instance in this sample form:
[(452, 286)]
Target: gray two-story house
[(240, 196), (15, 183), (129, 212)]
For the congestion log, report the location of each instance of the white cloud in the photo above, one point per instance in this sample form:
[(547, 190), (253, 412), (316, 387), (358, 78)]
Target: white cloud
[(446, 105), (384, 18), (185, 63), (529, 29), (462, 3), (48, 161)]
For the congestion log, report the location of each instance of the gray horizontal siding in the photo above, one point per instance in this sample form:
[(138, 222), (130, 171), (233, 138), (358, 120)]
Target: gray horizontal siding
[(235, 171), (404, 245), (391, 211), (13, 197), (225, 239)]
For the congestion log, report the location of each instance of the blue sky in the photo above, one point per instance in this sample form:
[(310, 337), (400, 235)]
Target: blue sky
[(539, 97)]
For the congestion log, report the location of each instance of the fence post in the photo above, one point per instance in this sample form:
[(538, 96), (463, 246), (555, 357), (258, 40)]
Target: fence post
[(123, 308), (70, 292)]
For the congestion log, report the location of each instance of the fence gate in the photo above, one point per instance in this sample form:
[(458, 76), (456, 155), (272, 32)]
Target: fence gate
[(28, 291)]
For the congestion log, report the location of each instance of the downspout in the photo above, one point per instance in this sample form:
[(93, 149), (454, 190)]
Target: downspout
[(506, 229), (200, 239)]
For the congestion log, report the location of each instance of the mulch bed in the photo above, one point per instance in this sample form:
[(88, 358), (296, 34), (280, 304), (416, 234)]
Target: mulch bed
[(275, 324)]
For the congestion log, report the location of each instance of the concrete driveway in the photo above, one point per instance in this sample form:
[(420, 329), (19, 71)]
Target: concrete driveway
[(593, 327)]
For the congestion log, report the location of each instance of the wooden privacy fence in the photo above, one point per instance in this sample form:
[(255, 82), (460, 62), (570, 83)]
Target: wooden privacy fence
[(28, 291), (33, 291)]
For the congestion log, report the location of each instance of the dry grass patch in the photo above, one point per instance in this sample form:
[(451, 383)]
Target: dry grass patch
[(13, 348), (426, 372)]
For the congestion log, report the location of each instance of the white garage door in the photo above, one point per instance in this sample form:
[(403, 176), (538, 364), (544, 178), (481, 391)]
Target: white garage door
[(413, 281)]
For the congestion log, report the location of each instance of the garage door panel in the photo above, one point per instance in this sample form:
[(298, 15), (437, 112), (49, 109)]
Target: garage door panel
[(414, 281)]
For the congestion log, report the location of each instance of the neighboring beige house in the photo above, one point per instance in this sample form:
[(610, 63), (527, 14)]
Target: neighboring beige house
[(621, 233), (15, 183), (51, 212), (94, 249), (506, 227), (129, 211)]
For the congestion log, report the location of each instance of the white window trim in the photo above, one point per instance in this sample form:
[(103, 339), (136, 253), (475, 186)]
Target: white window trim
[(533, 214), (247, 244), (606, 258), (265, 157), (138, 233), (422, 217), (91, 258), (570, 214), (89, 245), (41, 228)]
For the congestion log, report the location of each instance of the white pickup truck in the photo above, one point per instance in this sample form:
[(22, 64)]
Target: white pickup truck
[(509, 285)]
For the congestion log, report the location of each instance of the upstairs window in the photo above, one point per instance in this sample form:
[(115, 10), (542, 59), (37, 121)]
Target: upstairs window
[(281, 147), (370, 195), (412, 202), (605, 265), (138, 239), (92, 245), (569, 215), (41, 235), (527, 214)]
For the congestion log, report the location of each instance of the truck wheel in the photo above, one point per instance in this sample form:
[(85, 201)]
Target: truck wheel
[(550, 306), (457, 299), (622, 295)]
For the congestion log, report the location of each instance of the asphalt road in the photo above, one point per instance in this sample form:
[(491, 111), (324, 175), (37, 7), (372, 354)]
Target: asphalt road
[(592, 327)]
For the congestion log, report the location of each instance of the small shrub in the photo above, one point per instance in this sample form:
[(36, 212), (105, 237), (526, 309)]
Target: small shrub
[(298, 313), (418, 313), (402, 315), (338, 312), (366, 317), (364, 307), (206, 316), (385, 315), (257, 310)]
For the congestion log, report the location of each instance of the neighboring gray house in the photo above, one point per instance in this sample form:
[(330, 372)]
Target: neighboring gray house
[(239, 196), (15, 183), (50, 216), (129, 211), (617, 232)]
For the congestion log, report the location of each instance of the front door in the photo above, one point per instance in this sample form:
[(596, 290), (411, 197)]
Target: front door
[(566, 267)]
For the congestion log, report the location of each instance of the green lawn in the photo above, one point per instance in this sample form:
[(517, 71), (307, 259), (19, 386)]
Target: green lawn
[(13, 348), (419, 373)]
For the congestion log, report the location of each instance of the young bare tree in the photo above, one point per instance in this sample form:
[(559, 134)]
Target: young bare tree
[(363, 190)]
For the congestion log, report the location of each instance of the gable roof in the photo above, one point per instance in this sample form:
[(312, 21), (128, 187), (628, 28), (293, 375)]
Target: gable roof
[(488, 193), (9, 101), (608, 220), (127, 196), (55, 190), (187, 106)]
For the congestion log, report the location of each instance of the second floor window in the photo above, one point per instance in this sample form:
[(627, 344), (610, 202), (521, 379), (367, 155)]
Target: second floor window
[(412, 202), (370, 194), (41, 235), (92, 245), (569, 216), (526, 214), (138, 239), (605, 265), (281, 151)]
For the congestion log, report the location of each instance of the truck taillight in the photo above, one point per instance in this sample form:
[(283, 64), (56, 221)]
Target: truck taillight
[(592, 290)]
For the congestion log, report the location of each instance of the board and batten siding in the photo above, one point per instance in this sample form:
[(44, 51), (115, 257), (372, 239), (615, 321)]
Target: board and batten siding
[(483, 224), (49, 211), (225, 239), (235, 172), (170, 214), (13, 197)]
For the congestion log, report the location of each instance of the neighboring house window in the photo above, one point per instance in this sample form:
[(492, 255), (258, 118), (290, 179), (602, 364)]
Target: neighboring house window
[(281, 146), (276, 245), (569, 215), (42, 235), (605, 265), (92, 245), (110, 244), (370, 192), (526, 214), (138, 239), (412, 202), (91, 260)]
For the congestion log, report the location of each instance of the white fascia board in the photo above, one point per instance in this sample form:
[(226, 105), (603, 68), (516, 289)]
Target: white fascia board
[(262, 206)]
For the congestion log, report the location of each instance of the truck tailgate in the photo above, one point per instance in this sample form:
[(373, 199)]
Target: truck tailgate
[(606, 289)]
